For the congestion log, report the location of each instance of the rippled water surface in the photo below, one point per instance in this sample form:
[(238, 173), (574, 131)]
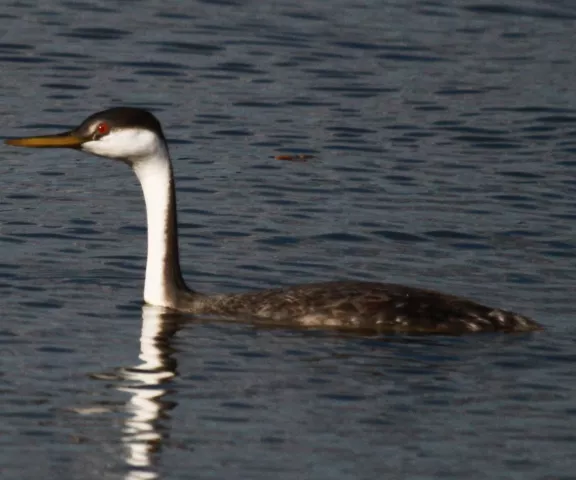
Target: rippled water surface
[(444, 140)]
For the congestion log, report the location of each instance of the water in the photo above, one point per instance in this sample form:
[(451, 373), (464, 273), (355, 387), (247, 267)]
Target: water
[(444, 135)]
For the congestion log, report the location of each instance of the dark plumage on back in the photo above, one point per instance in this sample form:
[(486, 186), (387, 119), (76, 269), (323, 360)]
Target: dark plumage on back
[(377, 307)]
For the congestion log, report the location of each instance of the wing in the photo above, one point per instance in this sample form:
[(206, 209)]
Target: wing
[(376, 307)]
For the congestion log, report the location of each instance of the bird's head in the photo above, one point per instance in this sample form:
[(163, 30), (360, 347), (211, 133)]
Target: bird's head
[(121, 133)]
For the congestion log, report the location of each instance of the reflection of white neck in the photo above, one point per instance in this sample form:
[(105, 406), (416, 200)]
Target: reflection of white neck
[(155, 175), (141, 436)]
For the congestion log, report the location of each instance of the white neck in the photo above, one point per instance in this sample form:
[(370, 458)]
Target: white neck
[(148, 155), (155, 175)]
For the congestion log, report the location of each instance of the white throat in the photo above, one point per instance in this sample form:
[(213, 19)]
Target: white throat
[(155, 175), (148, 155)]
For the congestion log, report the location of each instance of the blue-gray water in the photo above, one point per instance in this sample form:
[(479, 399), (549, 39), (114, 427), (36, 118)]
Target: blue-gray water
[(444, 136)]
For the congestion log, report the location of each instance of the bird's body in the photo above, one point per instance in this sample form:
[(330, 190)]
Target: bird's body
[(362, 306), (135, 137)]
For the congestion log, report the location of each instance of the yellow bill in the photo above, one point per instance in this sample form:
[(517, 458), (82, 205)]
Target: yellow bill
[(61, 140)]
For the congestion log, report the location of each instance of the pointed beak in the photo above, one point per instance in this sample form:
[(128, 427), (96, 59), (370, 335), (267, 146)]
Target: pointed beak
[(61, 140)]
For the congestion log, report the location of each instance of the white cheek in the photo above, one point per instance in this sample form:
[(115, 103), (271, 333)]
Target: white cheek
[(125, 144)]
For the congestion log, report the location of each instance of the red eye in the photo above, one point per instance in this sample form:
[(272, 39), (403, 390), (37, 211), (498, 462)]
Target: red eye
[(103, 128)]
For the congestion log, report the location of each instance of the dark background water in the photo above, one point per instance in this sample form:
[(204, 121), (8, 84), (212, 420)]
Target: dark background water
[(444, 135)]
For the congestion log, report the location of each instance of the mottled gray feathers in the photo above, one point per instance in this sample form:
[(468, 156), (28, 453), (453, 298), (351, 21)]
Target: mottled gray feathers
[(365, 306)]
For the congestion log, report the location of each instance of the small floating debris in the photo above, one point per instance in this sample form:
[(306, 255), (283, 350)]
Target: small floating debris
[(300, 157), (91, 410)]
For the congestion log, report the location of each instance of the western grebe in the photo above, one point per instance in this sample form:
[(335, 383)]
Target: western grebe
[(134, 136)]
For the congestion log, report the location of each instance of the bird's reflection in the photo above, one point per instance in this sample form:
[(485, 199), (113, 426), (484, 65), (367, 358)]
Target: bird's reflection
[(147, 384)]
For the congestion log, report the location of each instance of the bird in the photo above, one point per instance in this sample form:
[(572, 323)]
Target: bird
[(134, 136)]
